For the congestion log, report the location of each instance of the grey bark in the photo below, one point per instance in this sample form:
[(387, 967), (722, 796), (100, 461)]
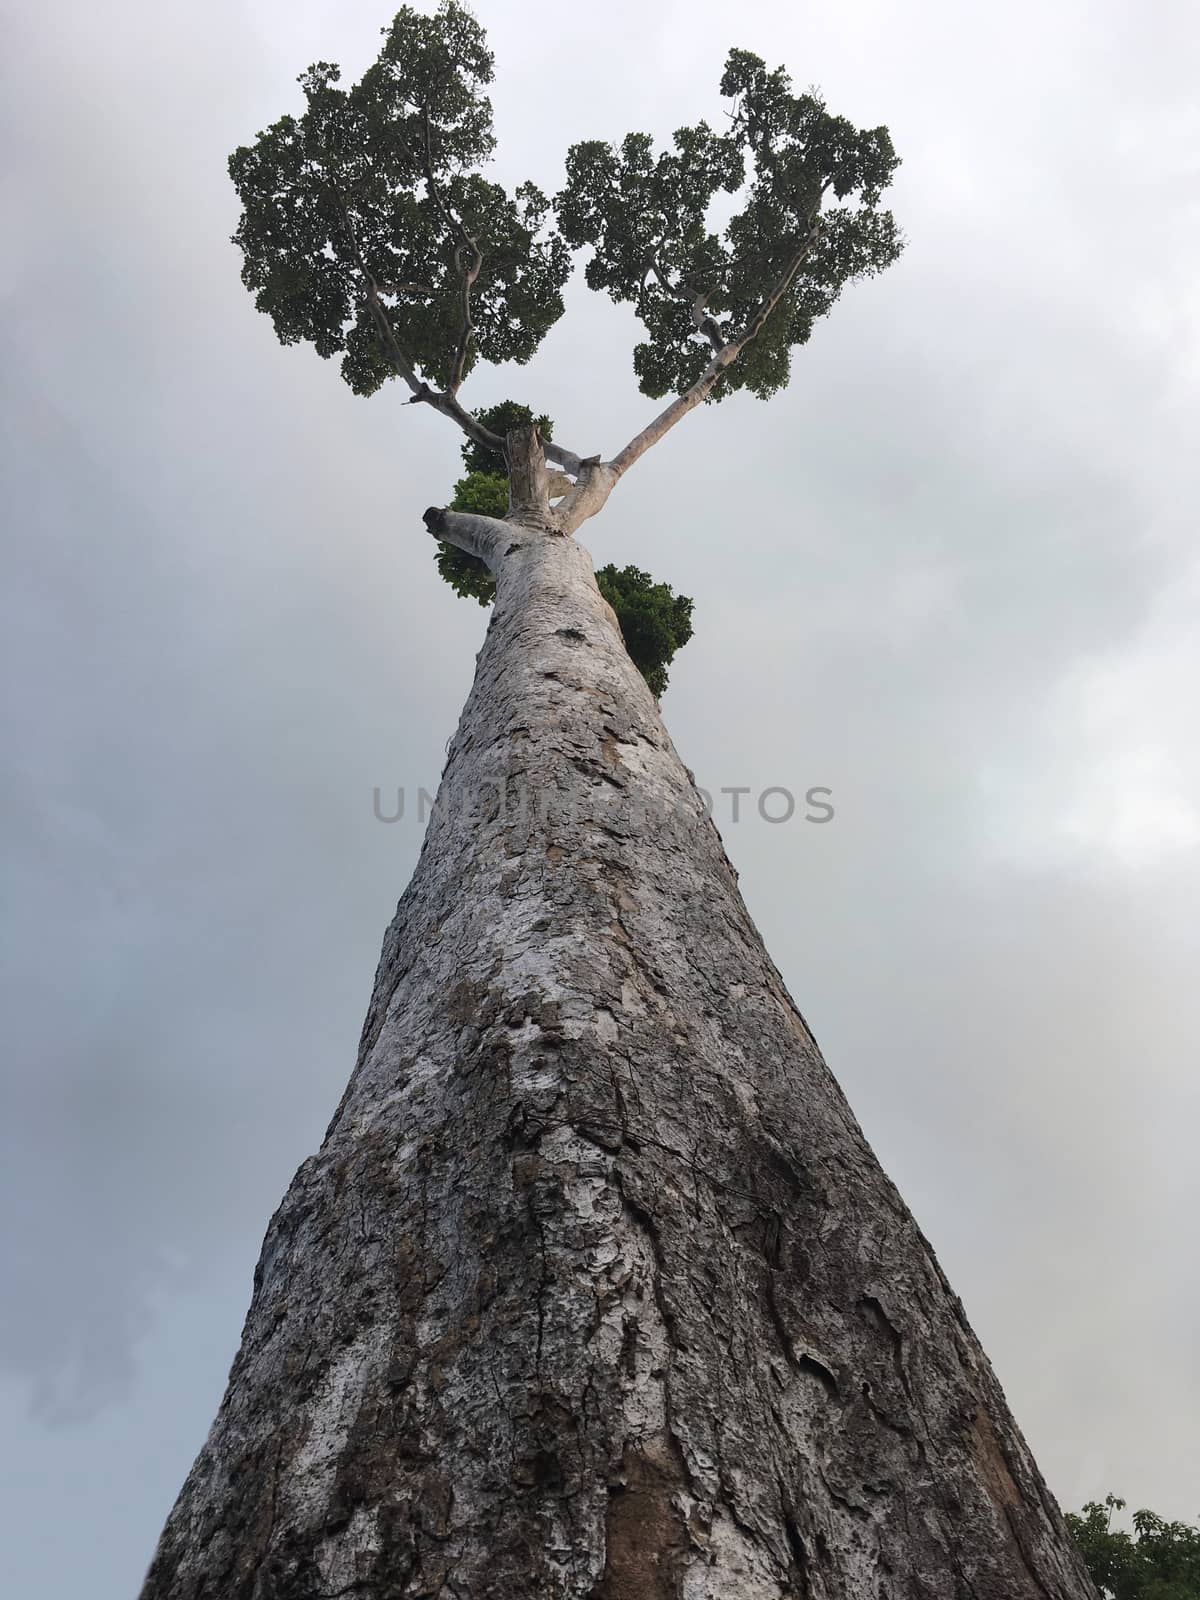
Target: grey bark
[(595, 1290)]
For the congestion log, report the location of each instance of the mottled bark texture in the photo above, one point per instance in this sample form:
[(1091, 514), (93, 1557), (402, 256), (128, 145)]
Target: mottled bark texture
[(595, 1288)]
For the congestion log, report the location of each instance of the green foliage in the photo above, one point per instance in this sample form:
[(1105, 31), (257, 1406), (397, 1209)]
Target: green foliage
[(646, 218), (655, 622), (498, 419), (382, 179), (369, 231), (381, 184), (1159, 1561), (485, 493)]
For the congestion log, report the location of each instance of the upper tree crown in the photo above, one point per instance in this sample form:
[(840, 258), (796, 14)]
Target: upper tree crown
[(369, 230)]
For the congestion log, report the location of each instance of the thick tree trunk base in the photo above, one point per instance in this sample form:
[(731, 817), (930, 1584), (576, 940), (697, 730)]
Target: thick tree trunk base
[(595, 1290)]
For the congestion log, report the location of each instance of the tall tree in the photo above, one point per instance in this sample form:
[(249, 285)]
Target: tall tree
[(595, 1288), (1160, 1560)]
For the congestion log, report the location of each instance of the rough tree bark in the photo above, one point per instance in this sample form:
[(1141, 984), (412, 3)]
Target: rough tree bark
[(595, 1290)]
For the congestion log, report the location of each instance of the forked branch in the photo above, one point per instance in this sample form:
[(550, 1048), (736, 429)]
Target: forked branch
[(703, 322), (594, 479)]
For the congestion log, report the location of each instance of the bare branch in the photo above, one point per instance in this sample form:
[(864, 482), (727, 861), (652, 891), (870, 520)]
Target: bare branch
[(486, 537), (391, 344), (474, 429), (379, 316), (449, 407), (566, 459), (757, 322), (458, 372), (597, 480), (704, 324)]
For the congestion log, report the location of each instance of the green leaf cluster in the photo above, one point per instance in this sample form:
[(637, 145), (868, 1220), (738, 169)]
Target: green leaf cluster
[(655, 621), (382, 179), (645, 216), (1159, 1561)]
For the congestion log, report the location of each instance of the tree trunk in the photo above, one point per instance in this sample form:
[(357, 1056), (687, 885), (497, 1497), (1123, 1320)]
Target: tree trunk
[(595, 1290)]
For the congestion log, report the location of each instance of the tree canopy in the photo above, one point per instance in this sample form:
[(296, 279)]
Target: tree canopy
[(1160, 1560), (375, 195), (693, 288), (369, 230)]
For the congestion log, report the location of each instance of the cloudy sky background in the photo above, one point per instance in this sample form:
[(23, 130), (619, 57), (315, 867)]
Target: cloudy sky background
[(951, 575)]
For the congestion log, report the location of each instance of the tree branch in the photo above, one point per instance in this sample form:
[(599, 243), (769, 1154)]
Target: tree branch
[(724, 357), (450, 407), (486, 537), (379, 316), (467, 246), (383, 325), (458, 372), (596, 481), (447, 403), (562, 457), (704, 324)]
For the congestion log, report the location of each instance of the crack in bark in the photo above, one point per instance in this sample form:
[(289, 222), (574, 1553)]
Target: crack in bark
[(881, 1318), (821, 1373), (649, 1227), (799, 1554)]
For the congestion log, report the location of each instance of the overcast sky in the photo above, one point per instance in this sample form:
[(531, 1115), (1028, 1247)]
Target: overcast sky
[(951, 575)]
